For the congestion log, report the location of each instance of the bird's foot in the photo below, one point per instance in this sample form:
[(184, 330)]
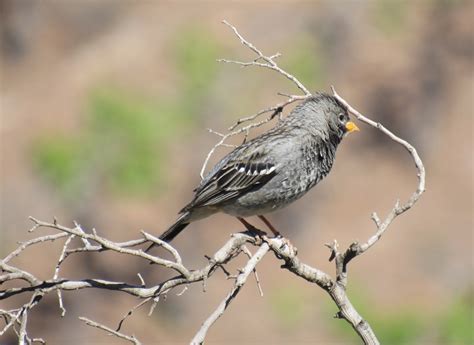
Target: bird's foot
[(286, 243), (257, 232)]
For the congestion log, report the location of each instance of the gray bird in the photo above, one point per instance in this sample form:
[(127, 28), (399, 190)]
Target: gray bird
[(273, 169)]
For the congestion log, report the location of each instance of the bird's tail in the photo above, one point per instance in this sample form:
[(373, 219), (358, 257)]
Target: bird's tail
[(173, 230)]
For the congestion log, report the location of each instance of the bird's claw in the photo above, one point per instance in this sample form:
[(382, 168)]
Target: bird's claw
[(286, 243)]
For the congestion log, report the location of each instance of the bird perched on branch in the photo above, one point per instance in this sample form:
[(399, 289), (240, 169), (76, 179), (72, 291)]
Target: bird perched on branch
[(273, 169)]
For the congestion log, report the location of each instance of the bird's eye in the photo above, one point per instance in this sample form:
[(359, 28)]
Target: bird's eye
[(342, 117)]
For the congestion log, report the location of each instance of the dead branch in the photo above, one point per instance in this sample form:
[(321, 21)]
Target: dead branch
[(239, 282), (94, 324)]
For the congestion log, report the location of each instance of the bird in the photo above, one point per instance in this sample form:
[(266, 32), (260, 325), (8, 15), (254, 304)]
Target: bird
[(273, 169)]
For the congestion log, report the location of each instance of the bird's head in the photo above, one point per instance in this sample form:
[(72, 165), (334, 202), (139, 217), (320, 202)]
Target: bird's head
[(325, 116), (338, 120)]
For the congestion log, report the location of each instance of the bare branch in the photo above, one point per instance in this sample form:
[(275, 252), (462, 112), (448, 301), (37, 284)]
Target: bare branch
[(129, 338), (22, 337), (56, 272), (16, 274), (77, 231), (356, 249), (257, 280), (269, 60), (287, 253), (11, 316), (165, 245), (230, 250), (37, 240), (239, 282), (130, 312)]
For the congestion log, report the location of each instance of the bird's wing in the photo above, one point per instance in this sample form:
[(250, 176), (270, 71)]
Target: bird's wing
[(243, 173)]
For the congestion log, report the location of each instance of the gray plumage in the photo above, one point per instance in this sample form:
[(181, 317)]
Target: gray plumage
[(273, 169)]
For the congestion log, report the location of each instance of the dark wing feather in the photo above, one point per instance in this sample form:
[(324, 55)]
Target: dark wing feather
[(232, 179)]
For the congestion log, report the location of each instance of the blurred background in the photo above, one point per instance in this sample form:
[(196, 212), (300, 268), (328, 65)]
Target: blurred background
[(104, 110)]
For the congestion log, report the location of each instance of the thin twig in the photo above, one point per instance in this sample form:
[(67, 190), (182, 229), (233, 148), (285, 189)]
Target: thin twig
[(113, 246), (37, 240), (239, 282), (22, 336), (56, 272), (130, 312), (357, 249), (129, 338), (165, 245), (257, 280), (268, 62)]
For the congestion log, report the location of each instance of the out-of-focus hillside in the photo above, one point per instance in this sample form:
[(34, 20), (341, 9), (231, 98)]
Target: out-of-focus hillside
[(104, 110)]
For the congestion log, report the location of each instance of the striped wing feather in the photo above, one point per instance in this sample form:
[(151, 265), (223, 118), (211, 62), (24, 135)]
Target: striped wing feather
[(231, 180)]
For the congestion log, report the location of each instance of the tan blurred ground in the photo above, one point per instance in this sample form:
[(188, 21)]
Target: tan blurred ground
[(406, 64)]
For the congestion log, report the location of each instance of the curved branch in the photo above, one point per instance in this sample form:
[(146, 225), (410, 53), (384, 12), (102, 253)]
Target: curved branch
[(283, 250), (356, 249)]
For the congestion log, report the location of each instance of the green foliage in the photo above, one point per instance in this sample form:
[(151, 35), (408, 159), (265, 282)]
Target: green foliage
[(127, 131), (59, 159), (196, 51), (392, 327), (123, 142), (113, 113), (456, 325), (119, 145), (397, 327), (307, 63), (404, 326), (288, 306), (389, 15)]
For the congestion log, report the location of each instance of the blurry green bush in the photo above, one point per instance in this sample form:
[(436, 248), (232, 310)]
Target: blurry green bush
[(402, 326), (123, 144)]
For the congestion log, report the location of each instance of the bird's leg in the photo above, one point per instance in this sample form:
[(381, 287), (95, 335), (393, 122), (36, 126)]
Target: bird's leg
[(247, 225), (277, 234), (250, 227), (270, 226)]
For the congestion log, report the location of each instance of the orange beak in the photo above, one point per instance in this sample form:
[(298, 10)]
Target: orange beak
[(351, 127)]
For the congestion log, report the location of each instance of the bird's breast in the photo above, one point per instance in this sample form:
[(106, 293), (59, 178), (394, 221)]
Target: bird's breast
[(296, 173)]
